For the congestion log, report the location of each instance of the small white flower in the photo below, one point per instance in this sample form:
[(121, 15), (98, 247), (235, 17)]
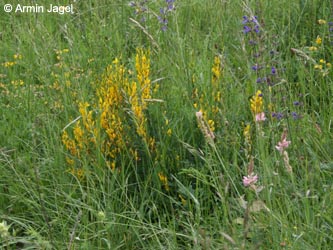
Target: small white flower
[(4, 229)]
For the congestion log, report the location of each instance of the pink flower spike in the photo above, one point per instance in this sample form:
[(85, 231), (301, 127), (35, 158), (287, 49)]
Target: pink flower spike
[(282, 145), (199, 114), (249, 180), (260, 117)]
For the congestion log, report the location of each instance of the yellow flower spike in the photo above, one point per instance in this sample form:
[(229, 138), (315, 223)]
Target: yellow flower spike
[(8, 64), (113, 165), (247, 140), (328, 65), (321, 21), (142, 66), (313, 48), (194, 78), (319, 40), (217, 96), (169, 132), (322, 61), (17, 57), (151, 143), (70, 161), (216, 69), (156, 88), (318, 66), (164, 181), (246, 131), (78, 135), (115, 61), (182, 199), (215, 110), (211, 125), (69, 144), (256, 103), (80, 173)]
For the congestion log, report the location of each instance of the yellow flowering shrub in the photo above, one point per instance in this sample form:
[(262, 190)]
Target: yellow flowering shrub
[(109, 125)]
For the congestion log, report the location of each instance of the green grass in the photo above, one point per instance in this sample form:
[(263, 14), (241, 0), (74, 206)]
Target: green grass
[(204, 204)]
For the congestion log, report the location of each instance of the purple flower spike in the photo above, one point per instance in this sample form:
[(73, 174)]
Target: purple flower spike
[(294, 115), (255, 19), (255, 67), (256, 29), (278, 115), (246, 29), (170, 5)]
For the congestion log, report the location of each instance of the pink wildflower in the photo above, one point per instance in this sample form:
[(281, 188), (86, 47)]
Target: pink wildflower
[(250, 180), (260, 117), (283, 144), (205, 129), (199, 114)]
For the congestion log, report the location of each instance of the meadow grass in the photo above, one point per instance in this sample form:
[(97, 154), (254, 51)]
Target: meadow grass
[(204, 125)]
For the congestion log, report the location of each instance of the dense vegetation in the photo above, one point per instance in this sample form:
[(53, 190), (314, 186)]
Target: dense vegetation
[(167, 124)]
